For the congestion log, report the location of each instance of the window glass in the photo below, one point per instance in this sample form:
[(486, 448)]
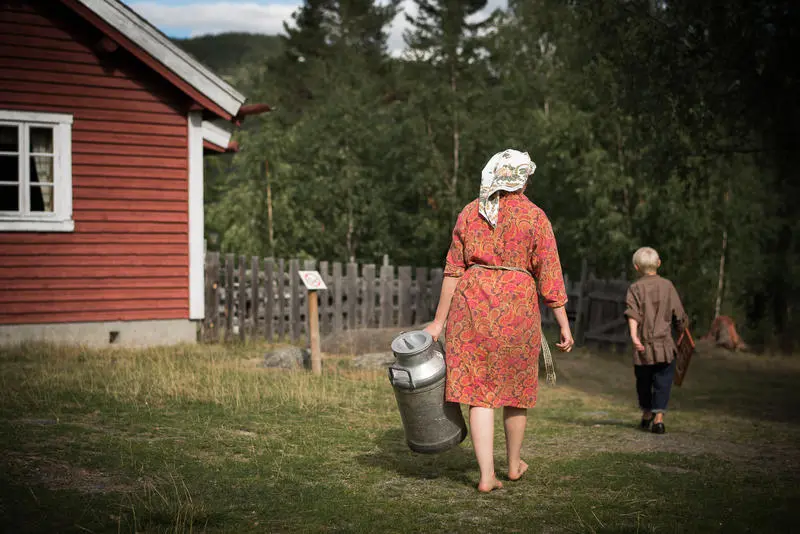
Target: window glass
[(41, 140), (42, 198), (9, 198), (9, 169), (9, 138)]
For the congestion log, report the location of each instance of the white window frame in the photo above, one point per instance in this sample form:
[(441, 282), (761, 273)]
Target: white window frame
[(60, 219)]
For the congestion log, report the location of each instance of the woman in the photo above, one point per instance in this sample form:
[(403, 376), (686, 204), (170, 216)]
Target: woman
[(503, 248)]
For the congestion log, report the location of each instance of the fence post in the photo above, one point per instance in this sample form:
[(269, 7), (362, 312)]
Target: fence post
[(211, 323), (583, 308), (313, 332)]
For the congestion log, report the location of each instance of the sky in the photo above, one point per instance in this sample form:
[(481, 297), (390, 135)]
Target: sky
[(190, 18)]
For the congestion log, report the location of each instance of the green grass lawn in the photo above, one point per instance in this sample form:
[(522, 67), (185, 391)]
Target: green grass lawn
[(200, 439)]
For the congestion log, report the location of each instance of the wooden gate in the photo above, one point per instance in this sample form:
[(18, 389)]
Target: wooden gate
[(603, 313)]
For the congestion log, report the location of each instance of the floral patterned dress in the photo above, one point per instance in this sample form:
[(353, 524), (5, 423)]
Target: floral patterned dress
[(493, 332)]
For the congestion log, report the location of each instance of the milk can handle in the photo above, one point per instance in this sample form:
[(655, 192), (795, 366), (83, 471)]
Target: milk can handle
[(406, 371)]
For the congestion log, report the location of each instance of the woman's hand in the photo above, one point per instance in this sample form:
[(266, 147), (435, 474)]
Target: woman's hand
[(435, 330), (637, 344), (566, 340)]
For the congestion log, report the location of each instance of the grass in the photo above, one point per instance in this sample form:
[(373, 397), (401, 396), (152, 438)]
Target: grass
[(201, 439)]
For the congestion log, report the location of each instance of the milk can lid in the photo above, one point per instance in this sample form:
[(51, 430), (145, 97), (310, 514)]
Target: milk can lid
[(412, 342)]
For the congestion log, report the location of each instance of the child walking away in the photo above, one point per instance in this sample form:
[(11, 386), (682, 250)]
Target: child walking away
[(653, 308)]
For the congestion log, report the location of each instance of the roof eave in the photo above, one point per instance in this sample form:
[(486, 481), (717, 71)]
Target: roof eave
[(159, 47)]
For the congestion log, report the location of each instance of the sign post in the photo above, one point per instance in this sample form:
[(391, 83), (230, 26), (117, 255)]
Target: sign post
[(313, 282)]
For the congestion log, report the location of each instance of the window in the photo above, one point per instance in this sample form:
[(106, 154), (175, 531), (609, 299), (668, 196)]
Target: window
[(35, 172)]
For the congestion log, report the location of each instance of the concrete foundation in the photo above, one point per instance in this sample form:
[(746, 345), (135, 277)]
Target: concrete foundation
[(104, 334)]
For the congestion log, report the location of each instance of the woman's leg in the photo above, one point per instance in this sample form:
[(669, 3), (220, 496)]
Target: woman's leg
[(514, 421), (481, 430)]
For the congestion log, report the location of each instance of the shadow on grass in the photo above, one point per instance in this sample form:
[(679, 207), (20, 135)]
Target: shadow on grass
[(31, 508), (392, 454), (737, 385)]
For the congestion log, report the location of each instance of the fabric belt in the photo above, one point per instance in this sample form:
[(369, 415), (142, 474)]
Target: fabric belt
[(548, 356)]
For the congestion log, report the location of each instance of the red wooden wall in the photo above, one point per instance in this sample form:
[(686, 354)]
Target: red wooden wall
[(128, 258)]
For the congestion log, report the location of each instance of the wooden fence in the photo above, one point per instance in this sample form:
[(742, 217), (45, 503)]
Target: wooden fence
[(264, 298)]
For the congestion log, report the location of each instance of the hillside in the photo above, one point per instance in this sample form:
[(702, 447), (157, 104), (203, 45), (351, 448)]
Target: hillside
[(225, 53)]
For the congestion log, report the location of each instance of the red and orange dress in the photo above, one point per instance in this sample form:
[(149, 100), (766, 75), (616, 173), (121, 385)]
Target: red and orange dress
[(493, 332)]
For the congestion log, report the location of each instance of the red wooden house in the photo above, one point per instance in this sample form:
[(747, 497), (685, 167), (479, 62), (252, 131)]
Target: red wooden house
[(104, 123)]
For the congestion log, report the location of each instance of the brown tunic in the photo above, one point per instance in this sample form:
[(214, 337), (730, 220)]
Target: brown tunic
[(654, 303)]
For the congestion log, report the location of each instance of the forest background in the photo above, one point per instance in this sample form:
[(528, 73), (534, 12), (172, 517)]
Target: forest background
[(673, 124)]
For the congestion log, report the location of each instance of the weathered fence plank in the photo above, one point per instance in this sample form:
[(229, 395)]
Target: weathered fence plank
[(248, 299), (352, 294), (421, 297), (255, 298), (324, 299), (387, 311), (368, 303), (269, 292), (229, 296), (404, 296), (280, 279), (338, 320), (242, 298), (437, 277), (294, 288)]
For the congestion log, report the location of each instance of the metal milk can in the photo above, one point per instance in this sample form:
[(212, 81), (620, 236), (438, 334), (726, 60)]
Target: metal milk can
[(431, 424)]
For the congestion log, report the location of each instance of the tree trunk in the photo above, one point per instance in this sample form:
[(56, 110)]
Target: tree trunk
[(269, 211), (456, 133), (721, 280)]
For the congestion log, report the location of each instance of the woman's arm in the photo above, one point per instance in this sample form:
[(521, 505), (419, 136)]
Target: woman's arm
[(566, 343), (448, 288)]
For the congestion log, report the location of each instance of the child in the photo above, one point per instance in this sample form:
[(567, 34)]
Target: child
[(652, 308)]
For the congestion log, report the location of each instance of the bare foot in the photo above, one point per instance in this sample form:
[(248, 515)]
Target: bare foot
[(516, 475), (486, 487)]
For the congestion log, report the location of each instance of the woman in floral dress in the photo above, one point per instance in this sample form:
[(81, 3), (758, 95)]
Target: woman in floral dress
[(503, 249)]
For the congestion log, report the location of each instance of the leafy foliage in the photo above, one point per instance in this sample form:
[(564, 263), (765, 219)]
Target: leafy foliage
[(669, 124)]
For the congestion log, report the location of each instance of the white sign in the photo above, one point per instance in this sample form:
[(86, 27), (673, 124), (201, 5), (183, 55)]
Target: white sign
[(312, 280)]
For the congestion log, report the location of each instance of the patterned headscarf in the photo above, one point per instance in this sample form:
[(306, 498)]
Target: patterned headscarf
[(506, 171)]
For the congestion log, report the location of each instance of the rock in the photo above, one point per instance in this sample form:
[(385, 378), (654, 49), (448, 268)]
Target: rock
[(374, 360), (287, 358)]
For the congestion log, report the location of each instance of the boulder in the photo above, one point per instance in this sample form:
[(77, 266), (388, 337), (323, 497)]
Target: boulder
[(287, 358)]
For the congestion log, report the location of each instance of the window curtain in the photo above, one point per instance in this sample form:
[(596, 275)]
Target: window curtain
[(42, 172)]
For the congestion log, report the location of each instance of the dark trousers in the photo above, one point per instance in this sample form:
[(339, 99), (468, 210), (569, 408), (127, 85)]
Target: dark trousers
[(653, 384)]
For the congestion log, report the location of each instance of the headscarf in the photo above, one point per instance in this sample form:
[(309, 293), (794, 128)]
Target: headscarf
[(506, 171)]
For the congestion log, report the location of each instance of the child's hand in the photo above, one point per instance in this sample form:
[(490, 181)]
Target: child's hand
[(637, 345)]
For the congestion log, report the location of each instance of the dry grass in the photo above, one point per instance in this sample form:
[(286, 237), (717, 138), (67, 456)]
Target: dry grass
[(201, 439)]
